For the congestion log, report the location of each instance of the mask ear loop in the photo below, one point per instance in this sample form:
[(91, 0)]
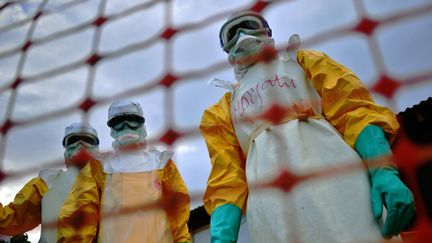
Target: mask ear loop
[(292, 48)]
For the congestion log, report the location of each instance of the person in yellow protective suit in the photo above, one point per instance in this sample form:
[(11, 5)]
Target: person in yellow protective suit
[(41, 199), (132, 178), (333, 121)]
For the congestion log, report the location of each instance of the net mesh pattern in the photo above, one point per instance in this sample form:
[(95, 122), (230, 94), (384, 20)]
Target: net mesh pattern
[(29, 64)]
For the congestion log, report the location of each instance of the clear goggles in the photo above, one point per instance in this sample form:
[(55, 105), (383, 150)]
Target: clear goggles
[(248, 24), (75, 139), (132, 121)]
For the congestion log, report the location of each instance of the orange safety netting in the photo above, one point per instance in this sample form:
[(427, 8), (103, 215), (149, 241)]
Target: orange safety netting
[(385, 84)]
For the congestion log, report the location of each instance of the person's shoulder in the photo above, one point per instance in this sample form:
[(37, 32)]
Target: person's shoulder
[(310, 53), (309, 58)]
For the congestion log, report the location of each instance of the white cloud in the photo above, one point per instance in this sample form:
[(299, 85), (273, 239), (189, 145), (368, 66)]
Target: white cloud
[(117, 6), (12, 14), (13, 38), (7, 69), (342, 49), (188, 109), (53, 94), (405, 46), (62, 51), (191, 50), (194, 11), (138, 27), (308, 18), (185, 149), (384, 8), (58, 20), (36, 144), (130, 71)]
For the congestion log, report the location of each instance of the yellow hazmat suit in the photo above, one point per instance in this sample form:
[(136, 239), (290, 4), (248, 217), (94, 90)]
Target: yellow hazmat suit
[(243, 153), (41, 200), (227, 181), (38, 202), (108, 197), (24, 213)]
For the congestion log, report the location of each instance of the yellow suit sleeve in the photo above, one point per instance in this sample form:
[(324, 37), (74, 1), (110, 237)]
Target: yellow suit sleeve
[(79, 216), (24, 213), (346, 101), (227, 181), (175, 189)]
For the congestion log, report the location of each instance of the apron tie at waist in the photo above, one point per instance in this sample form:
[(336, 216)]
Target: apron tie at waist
[(266, 125)]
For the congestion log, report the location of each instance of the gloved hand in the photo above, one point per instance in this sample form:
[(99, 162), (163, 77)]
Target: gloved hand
[(225, 224), (387, 188)]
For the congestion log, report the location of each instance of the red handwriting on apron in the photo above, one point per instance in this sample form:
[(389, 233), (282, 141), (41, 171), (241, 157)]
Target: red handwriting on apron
[(252, 96)]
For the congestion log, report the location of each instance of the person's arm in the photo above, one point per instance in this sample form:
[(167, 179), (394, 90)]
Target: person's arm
[(346, 101), (79, 217), (227, 190), (386, 189), (24, 213), (368, 128), (175, 191)]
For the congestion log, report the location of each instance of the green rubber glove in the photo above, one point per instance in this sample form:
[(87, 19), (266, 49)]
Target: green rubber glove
[(386, 187), (225, 224)]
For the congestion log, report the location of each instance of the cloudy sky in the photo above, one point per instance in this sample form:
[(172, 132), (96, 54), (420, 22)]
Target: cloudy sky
[(47, 103)]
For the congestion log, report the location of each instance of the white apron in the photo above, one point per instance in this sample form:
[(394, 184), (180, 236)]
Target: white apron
[(131, 181), (329, 210), (59, 185)]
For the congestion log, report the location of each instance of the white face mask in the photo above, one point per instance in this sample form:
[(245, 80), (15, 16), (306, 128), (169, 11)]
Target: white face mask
[(128, 136), (247, 46), (72, 151)]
